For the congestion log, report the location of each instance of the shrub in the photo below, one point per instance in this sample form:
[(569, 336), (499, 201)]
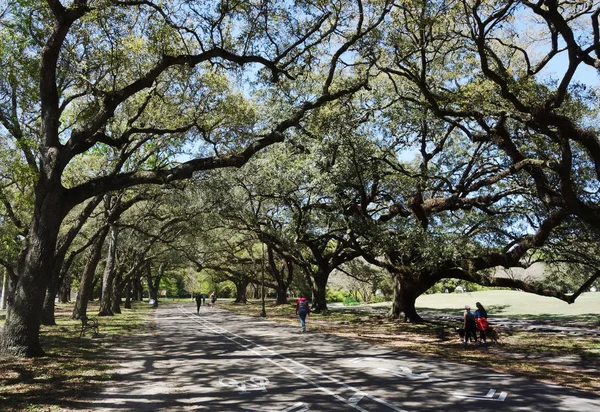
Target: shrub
[(337, 295), (350, 301)]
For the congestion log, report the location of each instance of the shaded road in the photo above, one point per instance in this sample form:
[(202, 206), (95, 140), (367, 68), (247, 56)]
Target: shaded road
[(221, 361)]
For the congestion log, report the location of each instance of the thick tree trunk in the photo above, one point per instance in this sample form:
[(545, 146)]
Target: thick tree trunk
[(87, 278), (64, 292), (240, 290), (320, 290), (48, 307), (153, 286), (138, 288), (281, 294), (21, 332), (109, 274), (405, 297)]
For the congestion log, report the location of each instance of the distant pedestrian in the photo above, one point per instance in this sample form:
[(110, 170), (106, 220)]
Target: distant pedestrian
[(198, 303), (213, 298), (204, 299), (481, 321), (469, 325), (302, 310)]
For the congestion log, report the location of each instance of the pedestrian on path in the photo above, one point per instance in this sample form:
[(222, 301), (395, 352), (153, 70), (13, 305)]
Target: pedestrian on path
[(213, 299), (302, 310), (198, 303), (469, 325), (481, 321)]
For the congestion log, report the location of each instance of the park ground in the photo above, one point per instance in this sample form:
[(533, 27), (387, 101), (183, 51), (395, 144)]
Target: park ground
[(543, 339)]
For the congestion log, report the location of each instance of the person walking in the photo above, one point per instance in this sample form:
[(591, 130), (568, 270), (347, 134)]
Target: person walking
[(302, 310), (198, 303), (469, 325), (481, 321), (213, 299)]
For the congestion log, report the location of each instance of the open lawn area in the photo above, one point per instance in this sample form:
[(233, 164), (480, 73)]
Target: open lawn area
[(510, 303)]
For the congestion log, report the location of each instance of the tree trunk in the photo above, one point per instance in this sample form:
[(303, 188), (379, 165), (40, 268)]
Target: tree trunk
[(48, 307), (21, 332), (87, 278), (284, 284), (128, 295), (109, 274), (138, 288), (320, 291), (65, 289), (281, 294), (240, 290), (4, 290), (405, 297), (57, 277), (156, 284), (117, 292)]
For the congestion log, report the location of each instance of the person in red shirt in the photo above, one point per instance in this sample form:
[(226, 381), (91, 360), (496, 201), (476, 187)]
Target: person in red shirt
[(302, 310)]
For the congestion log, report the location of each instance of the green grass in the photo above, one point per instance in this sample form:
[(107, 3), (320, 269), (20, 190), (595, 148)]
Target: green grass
[(512, 304)]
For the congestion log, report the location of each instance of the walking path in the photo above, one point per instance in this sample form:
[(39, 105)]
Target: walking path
[(220, 361)]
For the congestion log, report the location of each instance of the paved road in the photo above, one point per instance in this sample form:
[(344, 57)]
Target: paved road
[(220, 361)]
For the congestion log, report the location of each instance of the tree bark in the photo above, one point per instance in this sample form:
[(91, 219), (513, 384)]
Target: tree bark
[(4, 290), (87, 278), (128, 295), (21, 332), (117, 292), (153, 286), (320, 291), (405, 297), (241, 285), (48, 307), (109, 274)]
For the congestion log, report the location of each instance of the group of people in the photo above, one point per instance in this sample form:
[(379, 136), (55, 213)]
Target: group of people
[(201, 300), (474, 322)]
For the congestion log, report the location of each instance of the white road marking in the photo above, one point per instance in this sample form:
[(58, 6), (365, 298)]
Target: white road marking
[(408, 373), (488, 397), (294, 366)]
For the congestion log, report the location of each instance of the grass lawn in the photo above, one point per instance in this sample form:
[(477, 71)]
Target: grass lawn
[(510, 303)]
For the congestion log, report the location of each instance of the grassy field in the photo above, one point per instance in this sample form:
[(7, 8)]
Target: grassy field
[(510, 303)]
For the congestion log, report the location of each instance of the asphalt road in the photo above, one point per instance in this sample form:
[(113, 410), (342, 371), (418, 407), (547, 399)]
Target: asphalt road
[(221, 361)]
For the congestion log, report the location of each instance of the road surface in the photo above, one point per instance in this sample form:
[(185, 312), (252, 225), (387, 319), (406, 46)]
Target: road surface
[(221, 361)]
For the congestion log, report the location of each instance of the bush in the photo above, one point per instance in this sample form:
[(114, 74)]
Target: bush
[(335, 295), (378, 299), (350, 301)]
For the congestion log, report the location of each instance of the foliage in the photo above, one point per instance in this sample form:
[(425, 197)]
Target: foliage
[(336, 295)]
